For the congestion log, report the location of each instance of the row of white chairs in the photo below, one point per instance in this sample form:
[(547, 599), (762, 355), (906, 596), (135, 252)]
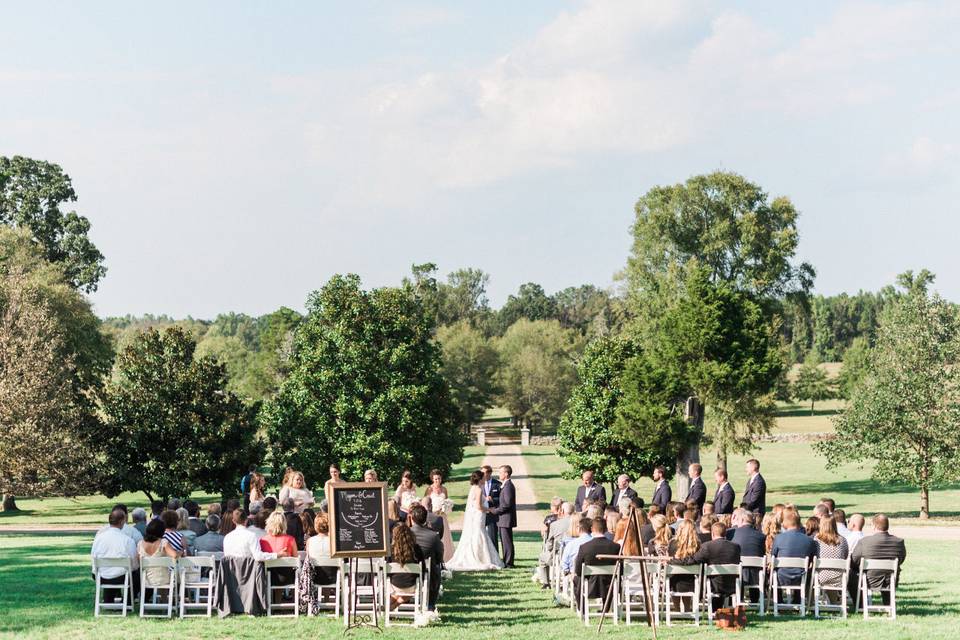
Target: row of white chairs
[(196, 576), (628, 593)]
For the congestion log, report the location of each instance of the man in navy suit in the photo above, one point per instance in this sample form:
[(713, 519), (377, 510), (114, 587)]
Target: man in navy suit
[(589, 489), (792, 543), (623, 490), (491, 499), (723, 500), (662, 494), (755, 497), (506, 513), (698, 490), (752, 543)]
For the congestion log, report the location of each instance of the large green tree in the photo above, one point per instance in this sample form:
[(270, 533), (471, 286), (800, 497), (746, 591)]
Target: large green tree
[(364, 388), (588, 436), (720, 247), (173, 427), (32, 194), (537, 369), (811, 384), (903, 413), (470, 364), (530, 303)]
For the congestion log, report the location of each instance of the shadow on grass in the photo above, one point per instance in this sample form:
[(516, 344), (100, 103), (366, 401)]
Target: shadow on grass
[(857, 487), (804, 412)]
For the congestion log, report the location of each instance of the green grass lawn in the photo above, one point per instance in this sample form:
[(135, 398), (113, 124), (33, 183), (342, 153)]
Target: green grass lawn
[(795, 417), (794, 473), (46, 592)]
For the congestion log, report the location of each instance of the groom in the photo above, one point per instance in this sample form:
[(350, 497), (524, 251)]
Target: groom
[(491, 499), (506, 513)]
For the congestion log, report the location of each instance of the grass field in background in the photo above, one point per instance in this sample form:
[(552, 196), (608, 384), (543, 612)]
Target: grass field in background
[(46, 592), (794, 473)]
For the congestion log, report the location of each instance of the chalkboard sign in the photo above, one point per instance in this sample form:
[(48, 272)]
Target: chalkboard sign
[(358, 519)]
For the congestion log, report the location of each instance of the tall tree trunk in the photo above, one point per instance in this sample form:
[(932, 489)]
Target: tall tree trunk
[(811, 406), (694, 415), (722, 457), (9, 503), (924, 492)]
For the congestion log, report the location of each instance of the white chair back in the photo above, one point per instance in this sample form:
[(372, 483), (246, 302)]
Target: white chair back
[(165, 609), (126, 589)]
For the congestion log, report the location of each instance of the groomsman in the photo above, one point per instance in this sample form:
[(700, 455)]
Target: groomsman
[(698, 490), (506, 514), (491, 496), (589, 489), (623, 490), (755, 497), (723, 501), (662, 494)]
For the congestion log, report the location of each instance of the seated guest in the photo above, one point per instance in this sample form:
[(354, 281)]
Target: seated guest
[(227, 524), (684, 545), (173, 504), (752, 543), (770, 528), (156, 508), (792, 543), (879, 546), (279, 542), (829, 504), (128, 530), (258, 524), (634, 546), (552, 517), (812, 526), (183, 528), (553, 543), (393, 513), (113, 543), (675, 513), (704, 530), (232, 505), (840, 519), (212, 540), (624, 507), (612, 518), (269, 504), (306, 521), (294, 527), (830, 546), (595, 510), (403, 550), (194, 523), (173, 537), (154, 545), (855, 531), (571, 549), (318, 548), (659, 544), (242, 542), (432, 548), (597, 545), (821, 510), (572, 532), (708, 509), (213, 509), (718, 550), (139, 516)]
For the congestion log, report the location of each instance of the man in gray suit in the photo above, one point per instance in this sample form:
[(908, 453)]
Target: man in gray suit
[(880, 546), (555, 533)]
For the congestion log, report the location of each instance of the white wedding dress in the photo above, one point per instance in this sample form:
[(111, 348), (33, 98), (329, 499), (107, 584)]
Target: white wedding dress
[(475, 551)]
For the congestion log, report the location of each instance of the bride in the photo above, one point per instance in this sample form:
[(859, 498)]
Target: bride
[(475, 551)]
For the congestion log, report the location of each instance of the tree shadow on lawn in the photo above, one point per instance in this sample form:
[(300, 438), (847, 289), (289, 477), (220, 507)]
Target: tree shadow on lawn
[(804, 412), (857, 487)]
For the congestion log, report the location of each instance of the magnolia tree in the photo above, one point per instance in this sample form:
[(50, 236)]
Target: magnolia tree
[(903, 413)]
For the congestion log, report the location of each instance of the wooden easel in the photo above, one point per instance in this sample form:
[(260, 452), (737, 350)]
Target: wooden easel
[(631, 535)]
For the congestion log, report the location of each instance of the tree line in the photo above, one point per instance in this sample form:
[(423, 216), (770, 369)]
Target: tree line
[(691, 351)]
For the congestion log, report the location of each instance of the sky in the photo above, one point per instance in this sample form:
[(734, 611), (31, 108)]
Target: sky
[(233, 156)]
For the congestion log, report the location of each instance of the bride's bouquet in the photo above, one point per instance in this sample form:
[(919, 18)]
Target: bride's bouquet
[(447, 506)]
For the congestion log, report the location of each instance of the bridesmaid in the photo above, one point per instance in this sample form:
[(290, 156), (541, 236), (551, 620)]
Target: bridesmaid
[(406, 495), (433, 500)]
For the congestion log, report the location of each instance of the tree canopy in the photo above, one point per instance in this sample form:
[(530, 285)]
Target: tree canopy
[(32, 193), (470, 364), (364, 388)]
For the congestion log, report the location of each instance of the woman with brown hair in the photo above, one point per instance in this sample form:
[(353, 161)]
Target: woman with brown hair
[(318, 548), (685, 544), (306, 521), (436, 501), (770, 528), (812, 527), (258, 485), (406, 494), (403, 550), (830, 545)]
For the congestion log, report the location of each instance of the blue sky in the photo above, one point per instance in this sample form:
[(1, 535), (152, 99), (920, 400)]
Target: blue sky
[(233, 156)]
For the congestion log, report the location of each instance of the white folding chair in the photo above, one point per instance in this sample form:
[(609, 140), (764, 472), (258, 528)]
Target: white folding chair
[(632, 590), (407, 609), (283, 563), (760, 563), (216, 555), (163, 609), (713, 571), (800, 589), (672, 570), (126, 589), (335, 586), (865, 592), (366, 603), (586, 603), (191, 577), (820, 591)]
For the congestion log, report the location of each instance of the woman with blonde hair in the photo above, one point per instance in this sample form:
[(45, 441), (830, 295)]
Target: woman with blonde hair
[(277, 541), (183, 528), (296, 489), (660, 544), (770, 528)]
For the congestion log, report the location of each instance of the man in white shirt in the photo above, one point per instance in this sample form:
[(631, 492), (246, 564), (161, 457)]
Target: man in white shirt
[(571, 549), (128, 530), (854, 531), (244, 543), (111, 542)]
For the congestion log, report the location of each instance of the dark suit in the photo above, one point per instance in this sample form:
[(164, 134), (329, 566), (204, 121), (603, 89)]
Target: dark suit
[(792, 543), (597, 586), (697, 493), (646, 534), (755, 496), (879, 546), (624, 493), (720, 551), (662, 496), (435, 523), (491, 519), (431, 547), (751, 543), (594, 491), (723, 500), (506, 513)]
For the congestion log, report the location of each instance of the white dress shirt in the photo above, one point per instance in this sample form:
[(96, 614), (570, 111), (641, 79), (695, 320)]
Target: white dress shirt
[(128, 530), (243, 543), (113, 543)]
